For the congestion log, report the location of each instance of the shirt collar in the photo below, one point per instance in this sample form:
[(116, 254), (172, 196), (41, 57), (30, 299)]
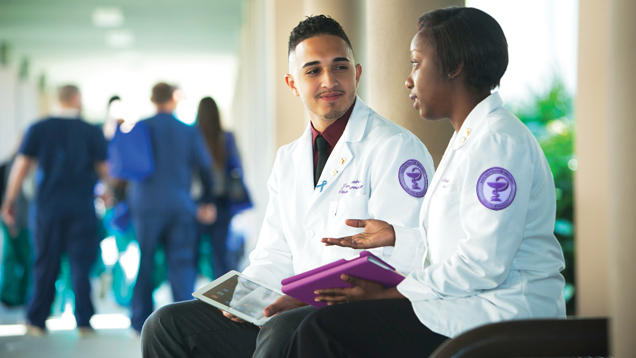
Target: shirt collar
[(66, 113), (474, 119), (333, 133)]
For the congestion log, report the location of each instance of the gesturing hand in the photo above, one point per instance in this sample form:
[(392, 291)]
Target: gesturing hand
[(377, 233)]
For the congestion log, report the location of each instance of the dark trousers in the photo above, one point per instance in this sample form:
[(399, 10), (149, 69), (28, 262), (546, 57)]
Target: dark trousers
[(197, 329), (377, 328), (16, 266), (218, 238), (79, 238), (178, 233)]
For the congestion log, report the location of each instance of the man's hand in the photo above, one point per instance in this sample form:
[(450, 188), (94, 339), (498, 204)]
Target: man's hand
[(232, 317), (362, 290), (8, 214), (19, 170), (282, 304), (377, 233), (206, 214)]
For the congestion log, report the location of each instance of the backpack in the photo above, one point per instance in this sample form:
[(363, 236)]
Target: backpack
[(130, 154)]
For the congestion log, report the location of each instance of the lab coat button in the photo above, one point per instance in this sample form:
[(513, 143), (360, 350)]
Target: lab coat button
[(462, 140), (310, 233)]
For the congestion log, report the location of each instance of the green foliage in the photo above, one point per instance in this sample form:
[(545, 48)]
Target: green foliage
[(549, 116)]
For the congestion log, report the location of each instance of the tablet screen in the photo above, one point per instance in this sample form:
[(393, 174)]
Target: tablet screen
[(242, 295)]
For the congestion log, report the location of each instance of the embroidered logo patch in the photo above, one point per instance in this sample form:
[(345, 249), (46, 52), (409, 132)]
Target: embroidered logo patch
[(413, 178), (496, 188)]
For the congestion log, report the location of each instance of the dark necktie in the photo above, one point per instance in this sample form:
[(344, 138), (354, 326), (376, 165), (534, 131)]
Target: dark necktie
[(323, 153)]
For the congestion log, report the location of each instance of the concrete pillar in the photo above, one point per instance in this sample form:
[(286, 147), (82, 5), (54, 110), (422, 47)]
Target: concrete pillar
[(391, 26), (622, 177), (592, 189), (289, 110), (350, 15)]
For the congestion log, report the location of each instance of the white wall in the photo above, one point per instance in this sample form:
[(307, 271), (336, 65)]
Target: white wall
[(8, 116)]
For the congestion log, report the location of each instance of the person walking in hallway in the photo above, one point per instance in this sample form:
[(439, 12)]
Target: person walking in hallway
[(230, 193), (70, 156), (163, 211)]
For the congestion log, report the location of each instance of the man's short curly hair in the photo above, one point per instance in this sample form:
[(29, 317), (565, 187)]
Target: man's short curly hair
[(315, 26)]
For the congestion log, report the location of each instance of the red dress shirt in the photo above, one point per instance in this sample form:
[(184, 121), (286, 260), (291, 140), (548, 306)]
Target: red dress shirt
[(332, 134)]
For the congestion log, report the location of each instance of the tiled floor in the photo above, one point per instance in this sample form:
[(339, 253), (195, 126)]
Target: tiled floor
[(66, 344), (63, 340)]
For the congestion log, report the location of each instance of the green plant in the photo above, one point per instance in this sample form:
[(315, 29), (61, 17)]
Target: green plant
[(549, 116)]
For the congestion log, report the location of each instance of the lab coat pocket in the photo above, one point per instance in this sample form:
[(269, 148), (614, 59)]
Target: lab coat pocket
[(352, 207)]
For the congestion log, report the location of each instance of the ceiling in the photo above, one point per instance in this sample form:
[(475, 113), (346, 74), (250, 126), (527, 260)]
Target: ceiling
[(45, 30)]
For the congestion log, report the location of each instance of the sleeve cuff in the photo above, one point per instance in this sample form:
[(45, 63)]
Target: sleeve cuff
[(408, 253), (414, 290)]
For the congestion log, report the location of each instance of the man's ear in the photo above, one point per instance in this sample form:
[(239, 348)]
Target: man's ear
[(291, 84), (358, 74)]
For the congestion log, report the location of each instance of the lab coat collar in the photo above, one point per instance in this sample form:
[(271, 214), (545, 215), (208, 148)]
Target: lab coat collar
[(357, 122), (474, 119), (304, 164)]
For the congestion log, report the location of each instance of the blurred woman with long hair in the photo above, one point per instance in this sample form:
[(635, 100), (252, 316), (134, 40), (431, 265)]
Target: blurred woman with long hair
[(229, 190)]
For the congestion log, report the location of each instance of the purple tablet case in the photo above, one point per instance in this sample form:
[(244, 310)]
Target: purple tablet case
[(302, 286)]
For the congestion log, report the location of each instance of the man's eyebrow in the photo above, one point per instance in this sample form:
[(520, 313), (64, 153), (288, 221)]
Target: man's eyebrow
[(337, 59), (311, 63)]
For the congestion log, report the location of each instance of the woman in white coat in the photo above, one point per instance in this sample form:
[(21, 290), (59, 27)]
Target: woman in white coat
[(487, 222)]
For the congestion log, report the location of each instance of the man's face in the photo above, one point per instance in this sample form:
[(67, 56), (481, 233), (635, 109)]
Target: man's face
[(324, 75)]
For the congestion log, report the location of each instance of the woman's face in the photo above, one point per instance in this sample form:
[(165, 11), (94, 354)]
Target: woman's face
[(430, 89)]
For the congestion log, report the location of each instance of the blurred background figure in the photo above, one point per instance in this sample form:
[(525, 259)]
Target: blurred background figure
[(229, 189), (114, 116), (16, 248), (70, 154), (162, 209)]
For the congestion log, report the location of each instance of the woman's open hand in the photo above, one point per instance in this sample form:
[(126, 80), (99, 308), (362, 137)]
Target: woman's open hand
[(377, 233)]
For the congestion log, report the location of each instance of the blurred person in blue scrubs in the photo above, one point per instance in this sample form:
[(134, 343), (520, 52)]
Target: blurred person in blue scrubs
[(162, 209), (229, 189), (70, 155)]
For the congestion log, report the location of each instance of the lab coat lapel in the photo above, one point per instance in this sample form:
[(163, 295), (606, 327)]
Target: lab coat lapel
[(303, 163), (473, 124), (439, 174), (342, 156)]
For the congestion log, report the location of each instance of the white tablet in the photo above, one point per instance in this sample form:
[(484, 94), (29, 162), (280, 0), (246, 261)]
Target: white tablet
[(239, 295)]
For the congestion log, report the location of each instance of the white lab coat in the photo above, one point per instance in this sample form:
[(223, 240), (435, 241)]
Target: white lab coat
[(362, 181), (484, 265)]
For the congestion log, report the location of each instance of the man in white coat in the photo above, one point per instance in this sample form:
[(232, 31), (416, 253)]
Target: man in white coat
[(350, 163)]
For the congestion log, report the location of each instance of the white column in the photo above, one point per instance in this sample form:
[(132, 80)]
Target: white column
[(8, 107), (289, 110), (28, 105), (622, 177), (390, 27), (591, 178)]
